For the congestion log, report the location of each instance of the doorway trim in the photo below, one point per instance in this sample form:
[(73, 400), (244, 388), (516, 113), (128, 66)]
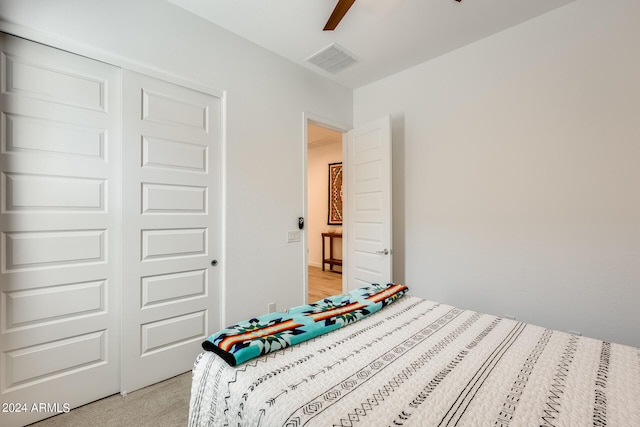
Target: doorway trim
[(329, 124)]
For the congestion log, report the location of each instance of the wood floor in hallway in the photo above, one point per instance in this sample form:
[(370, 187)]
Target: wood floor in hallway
[(323, 284)]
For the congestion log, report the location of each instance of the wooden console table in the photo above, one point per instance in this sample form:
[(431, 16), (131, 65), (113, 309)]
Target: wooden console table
[(331, 260)]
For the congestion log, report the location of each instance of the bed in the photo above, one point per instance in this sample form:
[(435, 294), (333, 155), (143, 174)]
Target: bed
[(407, 361)]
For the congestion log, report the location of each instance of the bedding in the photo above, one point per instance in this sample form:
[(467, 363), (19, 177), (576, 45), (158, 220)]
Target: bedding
[(420, 363)]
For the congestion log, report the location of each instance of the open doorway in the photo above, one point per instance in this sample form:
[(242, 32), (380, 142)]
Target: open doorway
[(325, 259)]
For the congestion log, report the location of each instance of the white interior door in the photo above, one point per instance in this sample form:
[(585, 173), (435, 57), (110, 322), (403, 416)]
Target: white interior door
[(59, 232), (369, 254), (172, 227)]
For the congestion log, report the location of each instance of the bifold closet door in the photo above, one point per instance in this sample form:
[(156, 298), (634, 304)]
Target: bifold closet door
[(172, 234), (59, 231)]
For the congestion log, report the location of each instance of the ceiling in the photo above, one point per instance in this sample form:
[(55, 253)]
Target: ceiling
[(386, 36), (319, 136)]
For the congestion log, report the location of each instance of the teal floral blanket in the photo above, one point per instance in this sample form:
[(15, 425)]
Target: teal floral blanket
[(251, 338)]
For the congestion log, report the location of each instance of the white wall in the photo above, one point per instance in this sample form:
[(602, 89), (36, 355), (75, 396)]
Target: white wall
[(517, 171), (265, 98), (516, 175), (319, 157)]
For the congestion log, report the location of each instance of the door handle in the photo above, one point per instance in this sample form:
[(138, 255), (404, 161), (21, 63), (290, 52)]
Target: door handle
[(385, 251)]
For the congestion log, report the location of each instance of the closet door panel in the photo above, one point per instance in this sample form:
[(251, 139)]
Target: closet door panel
[(59, 232), (172, 227)]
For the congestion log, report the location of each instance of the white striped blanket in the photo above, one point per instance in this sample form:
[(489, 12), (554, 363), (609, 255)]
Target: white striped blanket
[(420, 363)]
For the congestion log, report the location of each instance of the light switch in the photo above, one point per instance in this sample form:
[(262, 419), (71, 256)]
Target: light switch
[(293, 236)]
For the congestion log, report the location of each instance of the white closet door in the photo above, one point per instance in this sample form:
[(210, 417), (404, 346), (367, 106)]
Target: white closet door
[(172, 204), (59, 235)]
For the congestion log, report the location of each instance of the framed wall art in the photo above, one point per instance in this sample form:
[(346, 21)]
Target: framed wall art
[(335, 194)]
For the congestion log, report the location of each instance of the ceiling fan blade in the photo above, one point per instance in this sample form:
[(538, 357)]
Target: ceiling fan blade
[(338, 13)]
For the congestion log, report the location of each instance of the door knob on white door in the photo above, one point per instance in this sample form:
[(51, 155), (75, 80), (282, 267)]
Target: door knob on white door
[(385, 251)]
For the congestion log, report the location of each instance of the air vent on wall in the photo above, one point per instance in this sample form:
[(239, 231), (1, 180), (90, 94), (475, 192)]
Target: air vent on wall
[(333, 58)]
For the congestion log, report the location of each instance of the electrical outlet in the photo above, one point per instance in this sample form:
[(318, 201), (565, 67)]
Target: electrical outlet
[(293, 236), (272, 307)]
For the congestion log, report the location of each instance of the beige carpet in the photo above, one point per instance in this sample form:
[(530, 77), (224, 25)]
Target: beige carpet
[(165, 404)]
